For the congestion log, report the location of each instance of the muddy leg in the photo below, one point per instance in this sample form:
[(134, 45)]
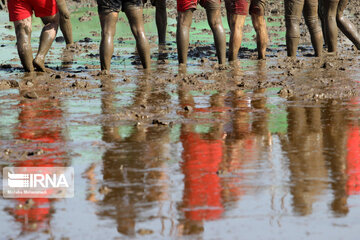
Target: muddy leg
[(23, 43), (108, 29), (322, 15), (213, 13), (346, 26), (312, 21), (331, 29), (262, 37), (65, 23), (293, 10), (236, 24), (47, 37), (135, 17), (161, 20), (182, 34)]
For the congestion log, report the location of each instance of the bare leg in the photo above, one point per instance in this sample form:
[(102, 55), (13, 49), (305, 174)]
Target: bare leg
[(108, 29), (23, 43), (262, 37), (214, 19), (322, 16), (293, 10), (135, 17), (330, 24), (236, 24), (182, 34), (161, 20), (346, 26), (47, 37), (312, 21), (65, 23)]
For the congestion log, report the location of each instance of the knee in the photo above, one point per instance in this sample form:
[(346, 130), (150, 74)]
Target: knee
[(139, 33), (23, 28), (258, 23), (183, 23), (215, 23), (313, 24), (339, 18), (52, 22), (292, 26), (107, 35)]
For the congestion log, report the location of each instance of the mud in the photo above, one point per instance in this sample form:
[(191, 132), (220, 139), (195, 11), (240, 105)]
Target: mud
[(186, 153)]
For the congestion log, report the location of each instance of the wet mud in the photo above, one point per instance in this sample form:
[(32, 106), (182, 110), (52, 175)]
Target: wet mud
[(196, 152)]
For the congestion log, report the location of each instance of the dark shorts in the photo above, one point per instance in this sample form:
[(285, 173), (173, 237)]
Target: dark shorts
[(241, 7), (21, 9), (257, 7), (156, 3), (107, 6), (184, 5)]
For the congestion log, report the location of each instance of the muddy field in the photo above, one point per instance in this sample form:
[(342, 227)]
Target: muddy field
[(261, 150)]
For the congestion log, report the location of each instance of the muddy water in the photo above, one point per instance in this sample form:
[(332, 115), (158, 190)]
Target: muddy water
[(202, 155)]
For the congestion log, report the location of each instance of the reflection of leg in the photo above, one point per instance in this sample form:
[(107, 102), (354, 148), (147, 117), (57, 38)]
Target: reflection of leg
[(236, 24), (23, 43), (108, 28), (182, 34), (65, 23), (47, 37), (346, 26), (312, 21), (135, 17), (293, 10), (330, 23), (161, 20), (262, 37), (214, 19)]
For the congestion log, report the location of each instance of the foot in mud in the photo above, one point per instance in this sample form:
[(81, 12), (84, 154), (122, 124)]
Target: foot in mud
[(104, 73), (222, 67), (69, 45), (182, 68), (39, 64), (261, 57), (234, 63)]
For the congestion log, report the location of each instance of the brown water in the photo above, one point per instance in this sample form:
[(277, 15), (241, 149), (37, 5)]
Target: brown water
[(158, 159)]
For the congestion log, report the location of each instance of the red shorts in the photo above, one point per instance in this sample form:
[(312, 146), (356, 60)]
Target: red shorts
[(238, 7), (184, 5), (21, 9)]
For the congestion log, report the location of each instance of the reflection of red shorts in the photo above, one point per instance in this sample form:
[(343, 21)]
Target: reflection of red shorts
[(238, 7), (184, 5), (21, 9)]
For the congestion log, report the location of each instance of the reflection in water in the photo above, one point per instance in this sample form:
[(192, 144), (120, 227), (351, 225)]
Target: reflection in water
[(211, 167), (134, 166), (353, 155), (306, 159), (322, 142), (214, 155), (202, 155), (40, 134)]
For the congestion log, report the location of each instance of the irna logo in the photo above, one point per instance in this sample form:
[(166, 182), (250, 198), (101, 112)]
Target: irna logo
[(38, 182), (18, 180)]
